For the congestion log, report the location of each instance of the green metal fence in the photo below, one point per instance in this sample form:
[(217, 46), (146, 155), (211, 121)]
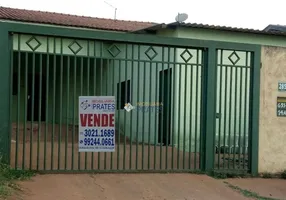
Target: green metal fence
[(181, 119), (164, 85), (234, 69)]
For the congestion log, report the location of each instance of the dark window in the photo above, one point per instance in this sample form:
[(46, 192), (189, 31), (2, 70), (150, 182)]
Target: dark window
[(123, 96)]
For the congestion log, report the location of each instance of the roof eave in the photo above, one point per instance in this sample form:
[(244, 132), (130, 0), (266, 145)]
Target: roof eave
[(151, 29)]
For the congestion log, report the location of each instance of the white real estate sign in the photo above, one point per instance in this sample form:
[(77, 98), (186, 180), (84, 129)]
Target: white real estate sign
[(96, 124)]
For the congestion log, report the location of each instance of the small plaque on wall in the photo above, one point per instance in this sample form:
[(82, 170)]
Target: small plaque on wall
[(281, 106), (282, 87)]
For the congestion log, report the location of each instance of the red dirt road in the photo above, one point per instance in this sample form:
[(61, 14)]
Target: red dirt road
[(126, 187), (271, 188)]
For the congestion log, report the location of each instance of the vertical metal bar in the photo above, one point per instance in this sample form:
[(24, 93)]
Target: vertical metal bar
[(168, 107), (137, 121), (54, 103), (131, 114), (47, 102), (245, 116), (191, 115), (249, 112), (240, 115), (255, 65), (210, 75), (87, 87), (220, 107), (18, 95), (225, 112), (196, 110), (119, 120), (9, 65), (179, 116), (143, 120), (161, 86), (101, 87), (11, 126), (40, 110), (25, 110), (126, 98), (94, 91), (10, 83), (230, 117), (81, 91), (74, 107), (113, 93), (10, 80), (106, 92), (235, 117), (156, 114), (32, 110), (173, 110), (61, 105), (67, 111), (204, 141), (185, 116), (149, 121)]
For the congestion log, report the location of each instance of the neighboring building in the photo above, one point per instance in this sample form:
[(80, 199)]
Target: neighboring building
[(275, 28)]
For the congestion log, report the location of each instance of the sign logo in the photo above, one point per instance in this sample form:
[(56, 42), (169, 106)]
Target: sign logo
[(128, 107), (84, 104)]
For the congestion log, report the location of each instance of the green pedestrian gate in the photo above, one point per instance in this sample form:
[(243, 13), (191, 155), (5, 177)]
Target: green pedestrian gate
[(195, 103)]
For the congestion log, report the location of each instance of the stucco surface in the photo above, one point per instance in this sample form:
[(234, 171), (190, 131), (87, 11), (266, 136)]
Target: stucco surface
[(272, 134)]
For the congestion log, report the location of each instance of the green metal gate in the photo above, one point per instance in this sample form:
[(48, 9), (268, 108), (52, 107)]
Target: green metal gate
[(233, 111), (171, 86)]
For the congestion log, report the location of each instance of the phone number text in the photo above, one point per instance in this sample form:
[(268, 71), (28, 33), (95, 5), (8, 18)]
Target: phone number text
[(98, 142), (96, 133)]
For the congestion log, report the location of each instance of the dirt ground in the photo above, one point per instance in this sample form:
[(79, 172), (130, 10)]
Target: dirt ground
[(50, 150), (126, 187), (271, 188), (60, 152)]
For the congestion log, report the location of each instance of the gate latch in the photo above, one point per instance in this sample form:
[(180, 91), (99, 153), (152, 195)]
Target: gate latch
[(217, 115)]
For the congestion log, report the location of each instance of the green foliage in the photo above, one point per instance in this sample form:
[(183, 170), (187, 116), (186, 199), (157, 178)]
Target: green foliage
[(283, 174), (7, 178), (267, 175), (229, 174)]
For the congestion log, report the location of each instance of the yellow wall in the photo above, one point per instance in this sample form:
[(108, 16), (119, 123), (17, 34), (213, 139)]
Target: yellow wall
[(272, 134)]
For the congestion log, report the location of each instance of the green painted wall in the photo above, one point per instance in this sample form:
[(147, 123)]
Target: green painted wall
[(230, 36), (232, 86), (144, 77)]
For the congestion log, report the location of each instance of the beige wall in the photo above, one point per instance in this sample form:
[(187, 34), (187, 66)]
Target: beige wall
[(272, 134)]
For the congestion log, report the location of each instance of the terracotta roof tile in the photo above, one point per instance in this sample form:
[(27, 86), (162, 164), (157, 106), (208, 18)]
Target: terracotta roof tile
[(71, 20)]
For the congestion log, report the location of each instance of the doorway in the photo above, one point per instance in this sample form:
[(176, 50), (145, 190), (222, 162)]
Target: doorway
[(165, 83), (38, 100)]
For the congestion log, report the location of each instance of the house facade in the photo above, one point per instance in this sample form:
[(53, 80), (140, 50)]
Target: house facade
[(272, 41), (178, 103)]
